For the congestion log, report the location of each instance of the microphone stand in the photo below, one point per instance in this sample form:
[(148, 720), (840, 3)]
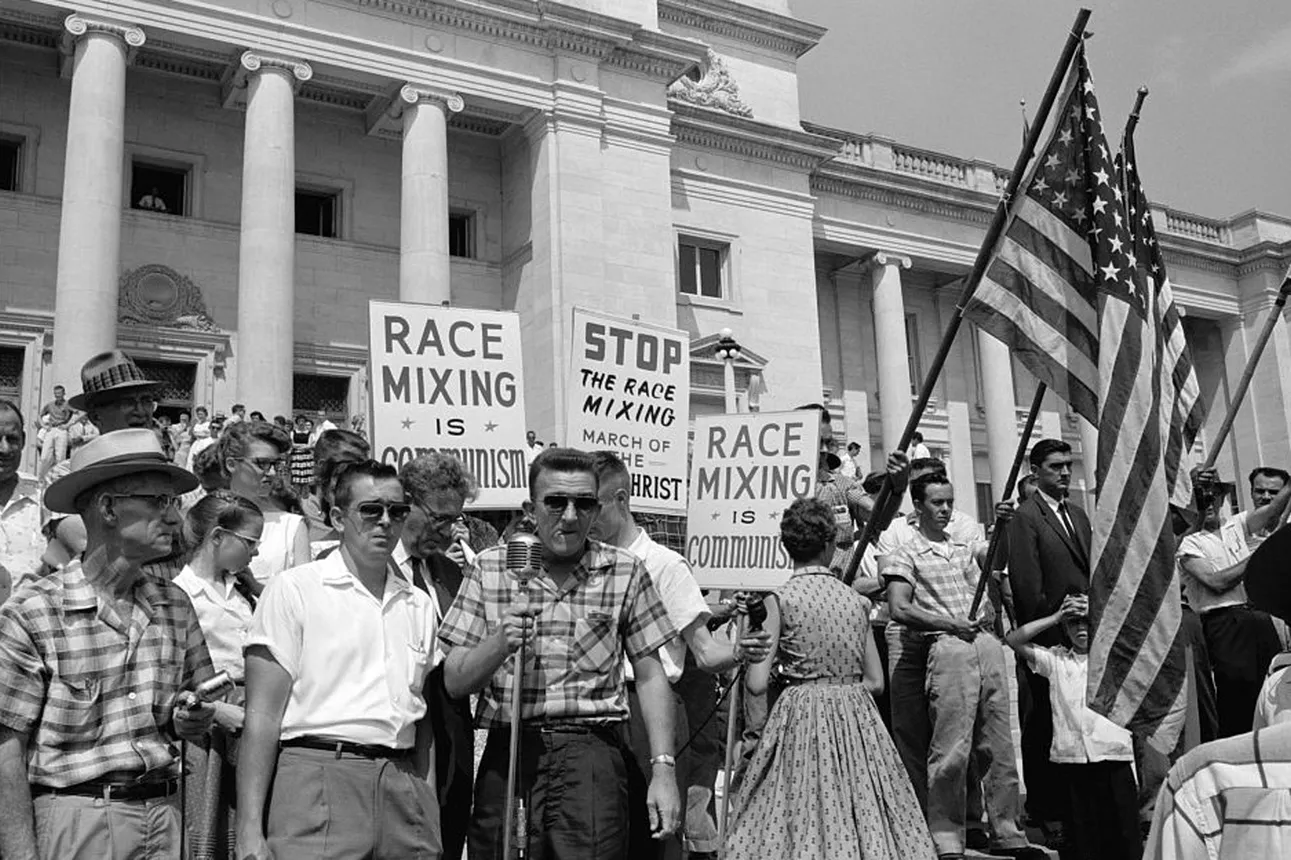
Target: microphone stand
[(516, 825)]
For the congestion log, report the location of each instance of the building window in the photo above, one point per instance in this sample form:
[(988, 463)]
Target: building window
[(11, 373), (985, 503), (912, 352), (313, 392), (159, 187), (177, 380), (318, 213), (701, 268), (10, 163), (461, 235)]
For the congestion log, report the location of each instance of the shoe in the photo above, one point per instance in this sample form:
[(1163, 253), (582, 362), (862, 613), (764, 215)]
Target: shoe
[(977, 840), (1025, 852)]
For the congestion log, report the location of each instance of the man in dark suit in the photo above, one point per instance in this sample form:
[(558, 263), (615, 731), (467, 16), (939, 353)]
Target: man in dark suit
[(1049, 541)]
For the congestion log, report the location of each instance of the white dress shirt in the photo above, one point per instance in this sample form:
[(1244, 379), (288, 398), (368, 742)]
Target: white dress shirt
[(1080, 736), (224, 616), (357, 664), (680, 594)]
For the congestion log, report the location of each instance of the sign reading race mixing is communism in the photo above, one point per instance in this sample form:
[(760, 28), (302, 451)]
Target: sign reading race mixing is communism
[(449, 379), (745, 470), (629, 392)]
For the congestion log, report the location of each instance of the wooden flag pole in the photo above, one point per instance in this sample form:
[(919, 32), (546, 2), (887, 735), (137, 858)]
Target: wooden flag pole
[(1024, 442), (974, 279), (1239, 394)]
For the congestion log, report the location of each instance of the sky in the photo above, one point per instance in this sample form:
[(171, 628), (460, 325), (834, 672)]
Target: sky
[(1214, 136)]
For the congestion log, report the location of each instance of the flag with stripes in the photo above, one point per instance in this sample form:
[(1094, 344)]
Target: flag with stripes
[(1072, 291)]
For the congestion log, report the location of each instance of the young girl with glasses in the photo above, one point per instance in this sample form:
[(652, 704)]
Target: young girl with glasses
[(222, 532), (252, 456)]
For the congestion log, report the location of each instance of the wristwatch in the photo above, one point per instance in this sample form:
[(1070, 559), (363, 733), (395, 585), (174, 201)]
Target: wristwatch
[(663, 759)]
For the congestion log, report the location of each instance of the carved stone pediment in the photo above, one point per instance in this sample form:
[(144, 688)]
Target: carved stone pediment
[(716, 89), (157, 295)]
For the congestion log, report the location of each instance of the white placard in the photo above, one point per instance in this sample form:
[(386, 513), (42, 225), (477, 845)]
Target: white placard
[(629, 392), (450, 379), (745, 470)]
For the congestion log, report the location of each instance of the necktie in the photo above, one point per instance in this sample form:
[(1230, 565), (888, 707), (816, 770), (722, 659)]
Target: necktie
[(1066, 522)]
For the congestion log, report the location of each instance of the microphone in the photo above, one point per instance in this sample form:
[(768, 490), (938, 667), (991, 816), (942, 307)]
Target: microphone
[(524, 556)]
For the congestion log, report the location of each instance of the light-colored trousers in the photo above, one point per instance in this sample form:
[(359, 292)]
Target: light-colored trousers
[(69, 827)]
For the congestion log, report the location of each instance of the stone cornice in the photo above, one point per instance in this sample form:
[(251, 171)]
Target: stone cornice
[(891, 190), (1264, 257), (737, 192), (705, 128), (782, 34)]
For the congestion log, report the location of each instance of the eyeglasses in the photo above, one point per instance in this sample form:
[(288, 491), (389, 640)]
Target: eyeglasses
[(557, 505), (372, 512), (439, 520), (264, 464), (160, 500), (250, 542)]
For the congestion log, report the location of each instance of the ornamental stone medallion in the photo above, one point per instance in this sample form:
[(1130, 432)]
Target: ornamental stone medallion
[(716, 89), (157, 295)]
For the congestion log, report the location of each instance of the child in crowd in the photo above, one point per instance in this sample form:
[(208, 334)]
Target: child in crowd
[(1095, 756)]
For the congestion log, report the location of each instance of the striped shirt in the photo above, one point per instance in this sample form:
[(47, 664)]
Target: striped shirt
[(607, 607), (93, 691), (1229, 798), (943, 574), (846, 499)]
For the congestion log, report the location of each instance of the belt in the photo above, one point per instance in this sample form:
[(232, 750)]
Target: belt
[(112, 790), (368, 751), (552, 729), (839, 681)]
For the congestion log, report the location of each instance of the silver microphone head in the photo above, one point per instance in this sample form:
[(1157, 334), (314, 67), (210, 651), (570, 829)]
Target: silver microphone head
[(524, 555)]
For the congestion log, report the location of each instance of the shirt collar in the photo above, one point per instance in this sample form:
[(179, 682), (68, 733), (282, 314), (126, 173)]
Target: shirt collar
[(1049, 500), (923, 545), (79, 595), (337, 573)]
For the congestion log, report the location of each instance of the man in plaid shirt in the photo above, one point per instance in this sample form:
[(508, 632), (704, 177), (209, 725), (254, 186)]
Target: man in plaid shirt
[(590, 604), (93, 659), (931, 580)]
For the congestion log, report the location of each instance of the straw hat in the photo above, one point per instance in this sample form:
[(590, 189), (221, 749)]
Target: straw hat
[(121, 452), (106, 372)]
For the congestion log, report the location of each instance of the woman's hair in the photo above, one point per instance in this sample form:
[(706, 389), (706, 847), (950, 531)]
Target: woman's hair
[(222, 509), (209, 469), (332, 449), (237, 438), (807, 528), (432, 472)]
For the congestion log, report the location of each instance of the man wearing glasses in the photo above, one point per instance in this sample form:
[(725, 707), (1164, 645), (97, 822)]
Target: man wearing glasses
[(93, 658), (591, 604), (336, 661)]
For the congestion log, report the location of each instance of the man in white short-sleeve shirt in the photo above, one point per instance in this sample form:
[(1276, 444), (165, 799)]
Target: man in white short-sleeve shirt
[(337, 658), (688, 612)]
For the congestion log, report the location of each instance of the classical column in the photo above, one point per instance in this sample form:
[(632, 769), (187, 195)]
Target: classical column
[(267, 249), (890, 345), (1001, 411), (89, 235), (423, 204)]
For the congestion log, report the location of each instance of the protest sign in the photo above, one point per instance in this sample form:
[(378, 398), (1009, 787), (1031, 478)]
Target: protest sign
[(629, 392), (449, 379), (745, 470)]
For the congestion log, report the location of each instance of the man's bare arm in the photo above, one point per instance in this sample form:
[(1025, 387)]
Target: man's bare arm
[(18, 822)]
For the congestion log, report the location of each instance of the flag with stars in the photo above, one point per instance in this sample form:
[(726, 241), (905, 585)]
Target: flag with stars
[(1072, 291)]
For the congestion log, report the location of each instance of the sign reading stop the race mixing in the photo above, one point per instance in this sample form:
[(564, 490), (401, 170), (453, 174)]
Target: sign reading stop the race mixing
[(449, 379), (629, 392), (746, 469)]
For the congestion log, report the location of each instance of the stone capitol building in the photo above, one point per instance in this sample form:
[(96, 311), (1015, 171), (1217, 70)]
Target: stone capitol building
[(219, 188)]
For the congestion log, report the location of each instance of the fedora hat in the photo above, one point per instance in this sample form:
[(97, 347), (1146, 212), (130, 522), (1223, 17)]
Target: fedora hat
[(110, 371), (121, 452)]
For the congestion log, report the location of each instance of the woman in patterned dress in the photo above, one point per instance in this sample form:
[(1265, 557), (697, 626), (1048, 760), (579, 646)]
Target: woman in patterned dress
[(825, 781)]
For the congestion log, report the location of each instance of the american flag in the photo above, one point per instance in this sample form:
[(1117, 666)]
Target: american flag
[(1078, 291)]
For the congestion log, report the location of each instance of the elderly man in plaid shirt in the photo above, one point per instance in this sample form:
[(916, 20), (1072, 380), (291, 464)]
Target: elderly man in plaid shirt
[(93, 659), (931, 581), (591, 604)]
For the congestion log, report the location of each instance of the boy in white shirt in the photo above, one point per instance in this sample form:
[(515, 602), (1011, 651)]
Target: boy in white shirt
[(1095, 756)]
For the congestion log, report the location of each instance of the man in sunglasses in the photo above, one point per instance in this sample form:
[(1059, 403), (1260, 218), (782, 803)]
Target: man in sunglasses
[(336, 663), (589, 606), (96, 661)]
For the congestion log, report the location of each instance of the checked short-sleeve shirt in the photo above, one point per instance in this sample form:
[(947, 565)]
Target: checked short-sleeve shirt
[(93, 691), (943, 575), (607, 607)]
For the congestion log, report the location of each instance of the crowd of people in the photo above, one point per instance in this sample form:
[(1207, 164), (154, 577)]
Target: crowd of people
[(210, 651)]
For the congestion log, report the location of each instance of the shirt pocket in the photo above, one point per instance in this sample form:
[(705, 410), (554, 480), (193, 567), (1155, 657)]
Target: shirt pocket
[(418, 666), (74, 708), (593, 649)]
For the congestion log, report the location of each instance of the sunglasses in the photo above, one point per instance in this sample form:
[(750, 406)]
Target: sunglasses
[(160, 500), (371, 512), (264, 464), (557, 505)]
